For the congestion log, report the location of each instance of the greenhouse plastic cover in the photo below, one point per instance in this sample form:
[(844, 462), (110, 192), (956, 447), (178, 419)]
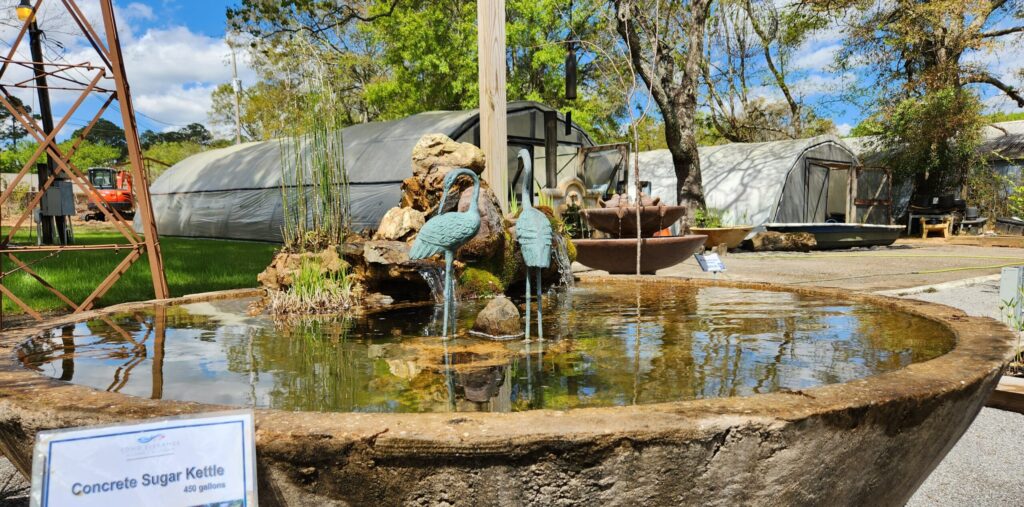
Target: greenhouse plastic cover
[(755, 183), (235, 192)]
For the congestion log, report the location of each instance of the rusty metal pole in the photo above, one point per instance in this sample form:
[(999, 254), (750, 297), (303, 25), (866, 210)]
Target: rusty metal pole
[(131, 134)]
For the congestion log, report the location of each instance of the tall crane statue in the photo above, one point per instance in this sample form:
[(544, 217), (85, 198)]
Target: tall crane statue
[(446, 232), (534, 234)]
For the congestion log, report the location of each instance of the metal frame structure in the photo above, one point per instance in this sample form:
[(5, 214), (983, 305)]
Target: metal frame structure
[(106, 80)]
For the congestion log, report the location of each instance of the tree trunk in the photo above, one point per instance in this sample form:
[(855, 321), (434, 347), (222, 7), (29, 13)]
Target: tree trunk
[(673, 90), (682, 144)]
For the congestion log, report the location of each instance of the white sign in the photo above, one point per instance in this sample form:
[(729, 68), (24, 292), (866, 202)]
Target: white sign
[(710, 262), (196, 461)]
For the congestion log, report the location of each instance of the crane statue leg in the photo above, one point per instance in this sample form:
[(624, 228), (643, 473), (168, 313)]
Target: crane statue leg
[(526, 333), (447, 290), (540, 307)]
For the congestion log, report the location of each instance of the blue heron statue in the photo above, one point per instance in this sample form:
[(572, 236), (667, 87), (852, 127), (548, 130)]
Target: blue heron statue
[(446, 232), (534, 234)]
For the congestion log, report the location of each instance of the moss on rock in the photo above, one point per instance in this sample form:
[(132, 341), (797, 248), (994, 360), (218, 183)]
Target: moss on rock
[(478, 282)]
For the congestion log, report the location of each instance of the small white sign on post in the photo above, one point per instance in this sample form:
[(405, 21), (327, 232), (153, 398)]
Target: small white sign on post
[(710, 262), (189, 461)]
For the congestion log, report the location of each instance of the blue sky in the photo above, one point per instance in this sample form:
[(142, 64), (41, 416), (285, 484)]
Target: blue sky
[(175, 56)]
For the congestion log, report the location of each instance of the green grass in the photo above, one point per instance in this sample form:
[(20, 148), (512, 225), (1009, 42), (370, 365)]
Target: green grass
[(191, 266)]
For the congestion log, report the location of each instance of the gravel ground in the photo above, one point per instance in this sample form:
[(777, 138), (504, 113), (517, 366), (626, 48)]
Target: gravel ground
[(13, 488), (986, 467)]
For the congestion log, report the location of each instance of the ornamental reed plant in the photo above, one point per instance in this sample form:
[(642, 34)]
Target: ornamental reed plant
[(315, 208), (315, 186)]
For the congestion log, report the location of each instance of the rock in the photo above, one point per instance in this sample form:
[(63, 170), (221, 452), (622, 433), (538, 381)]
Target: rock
[(770, 241), (499, 318), (386, 252), (434, 156), (438, 151), (281, 272), (490, 238), (399, 223)]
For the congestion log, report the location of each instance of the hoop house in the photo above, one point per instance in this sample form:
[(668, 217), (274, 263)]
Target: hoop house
[(235, 192)]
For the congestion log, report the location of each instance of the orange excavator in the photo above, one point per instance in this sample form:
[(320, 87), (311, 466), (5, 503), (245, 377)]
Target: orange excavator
[(115, 188)]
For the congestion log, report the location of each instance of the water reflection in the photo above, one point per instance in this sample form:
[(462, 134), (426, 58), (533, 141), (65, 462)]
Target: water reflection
[(613, 344)]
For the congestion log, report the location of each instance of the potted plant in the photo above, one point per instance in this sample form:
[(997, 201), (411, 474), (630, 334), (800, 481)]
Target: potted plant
[(709, 223)]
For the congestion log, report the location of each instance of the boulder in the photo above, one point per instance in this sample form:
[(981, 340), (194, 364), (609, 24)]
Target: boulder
[(491, 236), (399, 223), (770, 241), (280, 274), (438, 151), (499, 318), (386, 252), (434, 156)]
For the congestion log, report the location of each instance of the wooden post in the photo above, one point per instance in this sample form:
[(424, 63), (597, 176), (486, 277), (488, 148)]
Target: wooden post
[(490, 18)]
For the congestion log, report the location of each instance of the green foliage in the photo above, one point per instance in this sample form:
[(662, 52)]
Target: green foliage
[(314, 183), (480, 282), (987, 189), (708, 217), (932, 139), (192, 266), (315, 290), (393, 58), (193, 133), (429, 49), (1008, 309), (170, 153), (107, 133), (91, 154), (11, 130), (999, 117), (1015, 201)]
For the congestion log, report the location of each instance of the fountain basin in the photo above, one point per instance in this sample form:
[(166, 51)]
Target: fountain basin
[(868, 441), (620, 222), (618, 256), (732, 237)]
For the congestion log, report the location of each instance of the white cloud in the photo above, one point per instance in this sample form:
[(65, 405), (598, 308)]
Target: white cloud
[(171, 69), (844, 129), (816, 57)]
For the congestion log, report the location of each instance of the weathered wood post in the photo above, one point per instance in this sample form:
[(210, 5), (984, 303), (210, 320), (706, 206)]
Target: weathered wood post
[(490, 18)]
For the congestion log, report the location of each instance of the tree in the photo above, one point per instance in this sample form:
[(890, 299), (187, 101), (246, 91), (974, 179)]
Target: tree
[(749, 47), (11, 130), (107, 133), (193, 133), (394, 58), (222, 111), (664, 41), (170, 154), (924, 73)]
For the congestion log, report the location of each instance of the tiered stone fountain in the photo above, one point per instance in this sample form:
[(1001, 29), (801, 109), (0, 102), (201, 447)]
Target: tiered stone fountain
[(616, 253)]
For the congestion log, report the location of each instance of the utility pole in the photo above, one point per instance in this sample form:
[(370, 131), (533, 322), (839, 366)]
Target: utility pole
[(236, 85), (43, 92), (490, 22)]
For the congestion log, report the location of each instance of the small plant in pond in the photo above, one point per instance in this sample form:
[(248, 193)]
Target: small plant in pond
[(316, 289), (513, 205), (708, 217)]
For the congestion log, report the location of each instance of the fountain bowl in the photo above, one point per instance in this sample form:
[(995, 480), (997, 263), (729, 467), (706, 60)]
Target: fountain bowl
[(870, 441), (618, 256), (620, 222)]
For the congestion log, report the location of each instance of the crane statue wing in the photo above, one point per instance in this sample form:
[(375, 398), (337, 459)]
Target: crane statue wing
[(534, 234), (444, 232)]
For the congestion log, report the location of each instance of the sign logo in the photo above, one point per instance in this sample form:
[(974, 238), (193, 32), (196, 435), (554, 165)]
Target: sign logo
[(151, 438)]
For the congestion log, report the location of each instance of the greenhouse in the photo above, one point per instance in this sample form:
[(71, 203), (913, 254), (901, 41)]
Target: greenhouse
[(235, 192), (797, 181)]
